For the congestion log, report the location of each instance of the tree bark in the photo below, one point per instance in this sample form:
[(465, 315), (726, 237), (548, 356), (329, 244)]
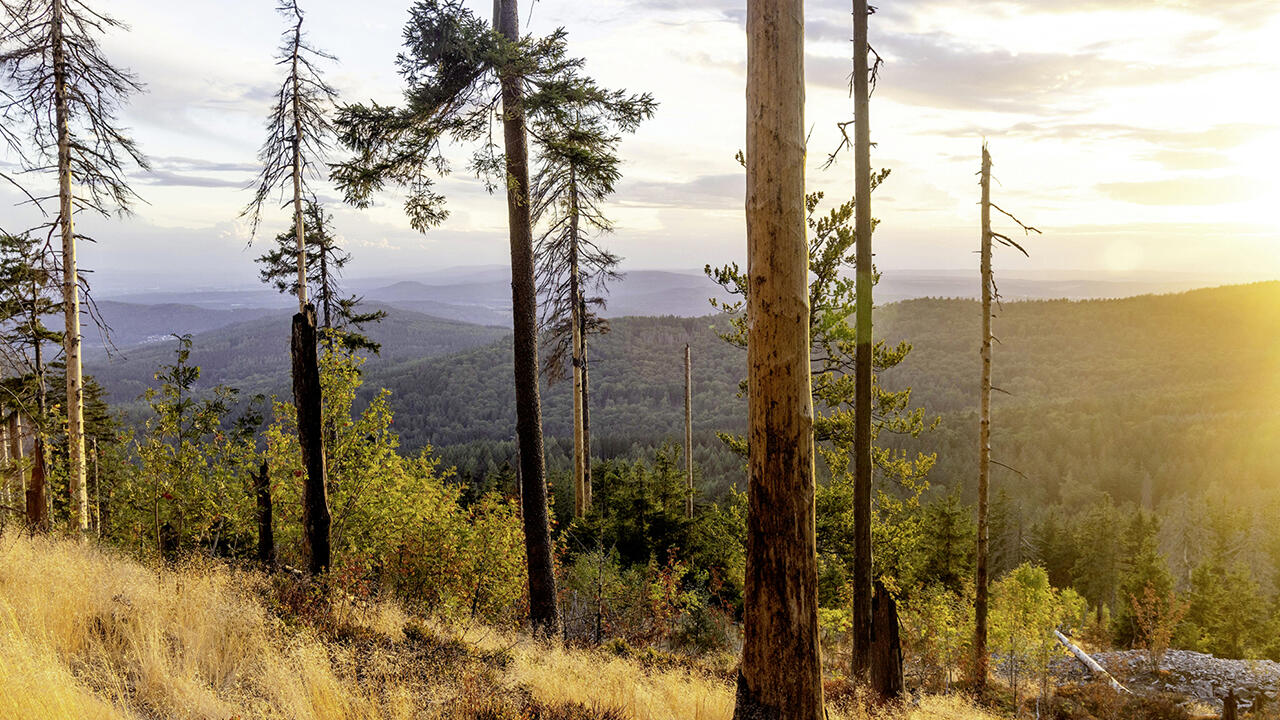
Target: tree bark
[(581, 503), (688, 430), (781, 671), (298, 223), (544, 613), (862, 620), (37, 504), (886, 646), (981, 658), (306, 398), (70, 285), (586, 402), (266, 533)]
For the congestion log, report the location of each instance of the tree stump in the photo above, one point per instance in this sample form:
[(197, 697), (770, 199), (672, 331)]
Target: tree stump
[(306, 398), (886, 646), (1229, 706)]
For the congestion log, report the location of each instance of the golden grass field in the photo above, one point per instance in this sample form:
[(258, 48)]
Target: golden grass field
[(90, 634)]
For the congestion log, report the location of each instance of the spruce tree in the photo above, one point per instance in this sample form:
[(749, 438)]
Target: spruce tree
[(578, 167), (340, 315)]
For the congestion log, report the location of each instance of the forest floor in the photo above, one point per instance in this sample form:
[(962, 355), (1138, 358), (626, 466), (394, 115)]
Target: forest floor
[(90, 634)]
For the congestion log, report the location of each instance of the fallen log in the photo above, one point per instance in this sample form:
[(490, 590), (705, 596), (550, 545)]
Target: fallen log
[(1090, 663)]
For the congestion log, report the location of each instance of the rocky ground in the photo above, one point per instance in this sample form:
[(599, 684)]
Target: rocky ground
[(1196, 675)]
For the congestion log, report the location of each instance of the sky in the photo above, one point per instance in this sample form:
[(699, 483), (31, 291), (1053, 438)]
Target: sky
[(1141, 136)]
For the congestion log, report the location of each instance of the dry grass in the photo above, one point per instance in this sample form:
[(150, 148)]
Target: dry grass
[(87, 634)]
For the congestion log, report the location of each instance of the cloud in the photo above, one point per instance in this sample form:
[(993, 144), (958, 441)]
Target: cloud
[(172, 179), (187, 164), (705, 191), (1183, 191), (940, 71)]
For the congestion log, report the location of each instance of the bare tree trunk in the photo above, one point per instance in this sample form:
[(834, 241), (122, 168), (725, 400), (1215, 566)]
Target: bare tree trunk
[(37, 508), (543, 610), (781, 671), (306, 397), (10, 470), (688, 430), (886, 645), (70, 285), (266, 533), (298, 223), (581, 505), (586, 402), (862, 620), (97, 493), (981, 657)]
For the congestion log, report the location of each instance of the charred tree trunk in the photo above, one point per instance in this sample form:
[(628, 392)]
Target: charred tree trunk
[(688, 430), (862, 619), (781, 671), (306, 397), (981, 658), (543, 611), (886, 645), (70, 283), (37, 504), (266, 533)]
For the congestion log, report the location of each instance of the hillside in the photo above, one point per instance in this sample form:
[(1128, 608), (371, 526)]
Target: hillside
[(89, 634), (253, 355), (1161, 389)]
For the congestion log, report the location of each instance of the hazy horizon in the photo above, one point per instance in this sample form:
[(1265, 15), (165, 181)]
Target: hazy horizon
[(1085, 107)]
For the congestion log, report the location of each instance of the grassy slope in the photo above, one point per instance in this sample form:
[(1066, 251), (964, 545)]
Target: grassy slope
[(87, 634)]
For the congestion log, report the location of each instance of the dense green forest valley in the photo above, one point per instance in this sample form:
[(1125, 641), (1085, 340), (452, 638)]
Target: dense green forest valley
[(639, 360)]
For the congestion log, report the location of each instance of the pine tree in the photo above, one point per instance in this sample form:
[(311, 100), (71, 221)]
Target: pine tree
[(578, 168), (340, 316), (59, 114), (299, 135), (462, 77), (781, 671), (28, 294)]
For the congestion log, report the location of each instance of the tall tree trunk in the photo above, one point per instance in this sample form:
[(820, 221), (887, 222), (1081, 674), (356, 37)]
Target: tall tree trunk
[(70, 285), (581, 504), (688, 431), (543, 611), (781, 672), (13, 454), (862, 619), (298, 223), (37, 507), (981, 658), (266, 533), (306, 397), (586, 401)]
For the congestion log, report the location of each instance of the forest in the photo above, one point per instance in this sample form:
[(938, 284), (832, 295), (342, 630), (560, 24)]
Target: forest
[(797, 500)]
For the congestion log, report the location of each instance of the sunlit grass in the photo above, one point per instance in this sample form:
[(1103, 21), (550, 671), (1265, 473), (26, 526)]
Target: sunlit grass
[(86, 634)]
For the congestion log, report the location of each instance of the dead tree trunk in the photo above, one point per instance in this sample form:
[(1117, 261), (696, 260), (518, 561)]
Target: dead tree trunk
[(9, 471), (688, 430), (781, 671), (70, 283), (543, 610), (862, 619), (306, 398), (981, 658), (886, 645), (266, 533)]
